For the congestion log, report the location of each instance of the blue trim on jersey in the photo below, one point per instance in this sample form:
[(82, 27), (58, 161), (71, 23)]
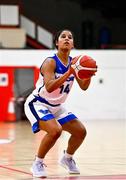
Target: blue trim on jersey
[(41, 99), (60, 67), (33, 109), (67, 119), (35, 127), (70, 79), (47, 117), (40, 89)]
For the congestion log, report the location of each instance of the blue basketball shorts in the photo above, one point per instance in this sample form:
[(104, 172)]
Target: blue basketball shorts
[(37, 108)]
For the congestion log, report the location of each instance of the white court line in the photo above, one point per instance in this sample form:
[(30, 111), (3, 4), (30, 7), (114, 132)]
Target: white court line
[(9, 139), (6, 141)]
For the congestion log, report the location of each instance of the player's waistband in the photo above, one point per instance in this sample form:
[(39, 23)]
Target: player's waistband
[(43, 100)]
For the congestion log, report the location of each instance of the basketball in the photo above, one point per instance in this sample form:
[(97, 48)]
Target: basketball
[(84, 66)]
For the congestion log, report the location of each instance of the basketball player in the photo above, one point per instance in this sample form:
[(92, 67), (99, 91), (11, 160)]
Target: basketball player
[(44, 107)]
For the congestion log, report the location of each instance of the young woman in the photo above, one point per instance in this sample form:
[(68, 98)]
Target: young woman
[(44, 107)]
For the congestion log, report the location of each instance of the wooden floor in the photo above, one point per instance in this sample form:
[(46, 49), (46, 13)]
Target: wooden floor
[(102, 155)]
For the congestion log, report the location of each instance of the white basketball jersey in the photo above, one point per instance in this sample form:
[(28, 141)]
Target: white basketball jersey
[(59, 95)]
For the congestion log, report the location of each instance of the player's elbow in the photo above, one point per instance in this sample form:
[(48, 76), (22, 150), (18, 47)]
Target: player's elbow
[(84, 88), (49, 89)]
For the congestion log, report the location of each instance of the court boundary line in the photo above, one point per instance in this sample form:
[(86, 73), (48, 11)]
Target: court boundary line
[(13, 169), (93, 177)]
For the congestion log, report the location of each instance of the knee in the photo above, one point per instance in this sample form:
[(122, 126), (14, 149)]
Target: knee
[(55, 132), (82, 133)]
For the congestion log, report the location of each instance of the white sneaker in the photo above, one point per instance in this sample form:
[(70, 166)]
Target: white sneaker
[(70, 165), (38, 169)]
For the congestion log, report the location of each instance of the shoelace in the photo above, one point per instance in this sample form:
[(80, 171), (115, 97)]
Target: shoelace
[(40, 166), (71, 163)]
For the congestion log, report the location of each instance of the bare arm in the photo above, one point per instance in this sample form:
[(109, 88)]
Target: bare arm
[(48, 70), (83, 83)]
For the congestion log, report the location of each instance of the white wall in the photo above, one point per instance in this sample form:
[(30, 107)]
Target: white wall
[(105, 100), (9, 15)]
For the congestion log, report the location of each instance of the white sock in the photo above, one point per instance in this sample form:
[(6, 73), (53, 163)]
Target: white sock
[(68, 155), (38, 159)]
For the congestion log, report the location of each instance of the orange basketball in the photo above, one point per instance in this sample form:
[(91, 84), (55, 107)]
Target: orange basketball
[(85, 66)]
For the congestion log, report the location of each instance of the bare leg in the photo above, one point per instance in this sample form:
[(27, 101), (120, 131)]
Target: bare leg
[(78, 133), (53, 129)]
